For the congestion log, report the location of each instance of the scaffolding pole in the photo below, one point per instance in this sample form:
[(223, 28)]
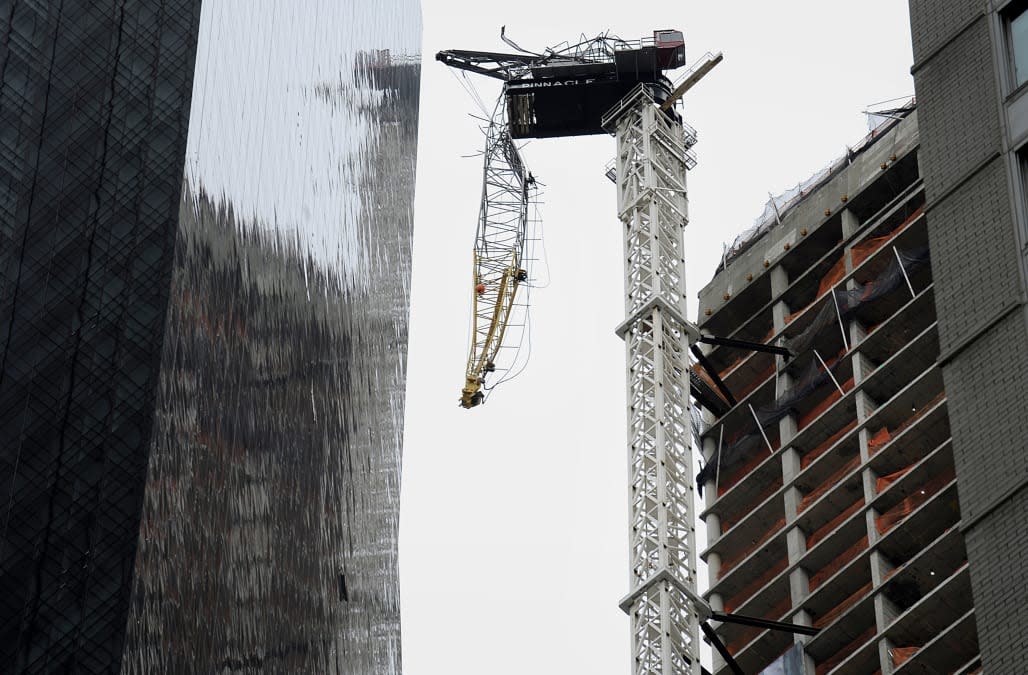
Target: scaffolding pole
[(663, 604)]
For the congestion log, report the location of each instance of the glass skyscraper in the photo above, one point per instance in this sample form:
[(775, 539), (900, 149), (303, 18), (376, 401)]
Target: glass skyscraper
[(201, 380)]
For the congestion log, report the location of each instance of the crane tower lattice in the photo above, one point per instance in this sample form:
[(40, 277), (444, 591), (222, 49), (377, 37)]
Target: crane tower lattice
[(652, 207)]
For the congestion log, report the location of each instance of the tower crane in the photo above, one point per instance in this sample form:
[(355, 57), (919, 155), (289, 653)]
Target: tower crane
[(610, 85)]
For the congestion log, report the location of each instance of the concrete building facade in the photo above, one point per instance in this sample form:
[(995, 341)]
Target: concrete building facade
[(830, 477)]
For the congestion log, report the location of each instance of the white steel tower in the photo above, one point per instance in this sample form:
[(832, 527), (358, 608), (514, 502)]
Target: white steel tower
[(664, 608)]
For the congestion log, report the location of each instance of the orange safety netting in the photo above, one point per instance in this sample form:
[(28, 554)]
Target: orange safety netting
[(837, 611), (878, 440), (728, 522), (884, 435), (823, 447), (816, 411), (747, 439), (846, 301), (840, 561), (740, 596), (897, 513), (743, 444), (834, 275), (858, 254), (866, 249), (845, 652), (828, 484), (885, 481), (826, 529), (728, 563), (901, 655)]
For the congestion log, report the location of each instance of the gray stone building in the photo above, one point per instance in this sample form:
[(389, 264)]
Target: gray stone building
[(970, 68)]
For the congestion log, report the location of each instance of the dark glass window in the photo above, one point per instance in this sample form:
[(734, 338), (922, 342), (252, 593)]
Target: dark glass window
[(1017, 32)]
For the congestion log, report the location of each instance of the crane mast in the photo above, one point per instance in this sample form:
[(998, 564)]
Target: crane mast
[(652, 207)]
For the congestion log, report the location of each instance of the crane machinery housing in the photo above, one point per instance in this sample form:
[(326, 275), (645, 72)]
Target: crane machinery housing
[(565, 92)]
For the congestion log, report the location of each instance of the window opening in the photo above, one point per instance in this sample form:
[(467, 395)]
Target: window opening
[(1017, 38)]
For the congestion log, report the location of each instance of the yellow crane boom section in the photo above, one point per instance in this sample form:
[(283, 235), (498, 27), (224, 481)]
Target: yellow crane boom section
[(494, 305)]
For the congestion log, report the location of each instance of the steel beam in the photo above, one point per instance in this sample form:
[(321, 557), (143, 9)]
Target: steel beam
[(745, 344), (757, 622)]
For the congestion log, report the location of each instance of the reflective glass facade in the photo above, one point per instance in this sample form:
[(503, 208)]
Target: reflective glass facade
[(202, 396), (94, 102)]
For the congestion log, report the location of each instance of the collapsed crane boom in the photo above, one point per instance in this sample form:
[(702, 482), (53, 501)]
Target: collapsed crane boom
[(499, 257), (560, 92)]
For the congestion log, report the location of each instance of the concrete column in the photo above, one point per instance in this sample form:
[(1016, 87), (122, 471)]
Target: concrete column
[(713, 519), (796, 539), (791, 469), (865, 405), (850, 224), (779, 283), (885, 611), (884, 645), (881, 566)]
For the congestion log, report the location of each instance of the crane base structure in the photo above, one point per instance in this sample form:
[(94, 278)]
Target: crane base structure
[(663, 605)]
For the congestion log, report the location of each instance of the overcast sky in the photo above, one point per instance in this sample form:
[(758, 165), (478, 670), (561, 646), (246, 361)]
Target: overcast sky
[(513, 530)]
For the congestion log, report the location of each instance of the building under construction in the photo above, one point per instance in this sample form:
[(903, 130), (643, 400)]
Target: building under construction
[(870, 479), (829, 479)]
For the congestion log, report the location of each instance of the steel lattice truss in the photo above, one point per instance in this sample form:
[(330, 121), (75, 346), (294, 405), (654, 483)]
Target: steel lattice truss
[(652, 206), (509, 67), (499, 260)]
